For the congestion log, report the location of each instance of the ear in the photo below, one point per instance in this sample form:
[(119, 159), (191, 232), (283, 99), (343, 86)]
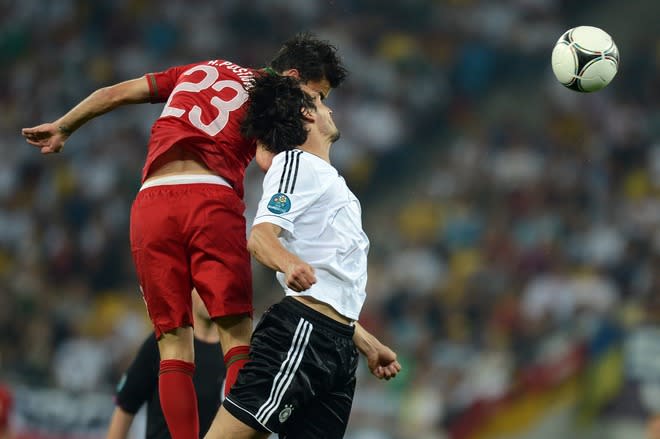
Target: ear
[(294, 73), (308, 115)]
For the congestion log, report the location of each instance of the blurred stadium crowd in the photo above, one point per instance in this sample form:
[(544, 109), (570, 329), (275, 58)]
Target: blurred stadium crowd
[(514, 224)]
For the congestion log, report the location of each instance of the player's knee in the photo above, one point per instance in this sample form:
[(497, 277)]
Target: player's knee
[(234, 330), (177, 345)]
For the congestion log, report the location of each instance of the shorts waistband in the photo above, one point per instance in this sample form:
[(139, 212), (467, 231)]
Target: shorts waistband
[(186, 179), (292, 305)]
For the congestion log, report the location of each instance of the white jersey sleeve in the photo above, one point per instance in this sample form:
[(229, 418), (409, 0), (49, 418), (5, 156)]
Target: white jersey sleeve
[(290, 187)]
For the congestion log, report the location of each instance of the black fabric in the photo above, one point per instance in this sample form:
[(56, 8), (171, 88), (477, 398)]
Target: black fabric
[(140, 384), (300, 379)]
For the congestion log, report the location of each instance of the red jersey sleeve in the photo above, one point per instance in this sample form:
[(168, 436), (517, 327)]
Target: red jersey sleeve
[(162, 83)]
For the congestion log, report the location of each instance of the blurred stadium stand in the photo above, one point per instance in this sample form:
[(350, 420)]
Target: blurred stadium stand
[(515, 225)]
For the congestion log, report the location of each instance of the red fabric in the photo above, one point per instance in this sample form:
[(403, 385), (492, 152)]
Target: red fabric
[(178, 398), (6, 404), (206, 103), (235, 359), (190, 235)]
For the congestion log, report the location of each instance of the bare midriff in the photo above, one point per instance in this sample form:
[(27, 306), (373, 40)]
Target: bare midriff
[(324, 309), (178, 161)]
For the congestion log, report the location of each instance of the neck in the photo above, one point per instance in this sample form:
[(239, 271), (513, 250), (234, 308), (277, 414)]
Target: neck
[(318, 146), (205, 331)]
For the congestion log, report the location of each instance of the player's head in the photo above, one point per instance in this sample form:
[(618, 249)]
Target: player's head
[(275, 115), (311, 60), (320, 117)]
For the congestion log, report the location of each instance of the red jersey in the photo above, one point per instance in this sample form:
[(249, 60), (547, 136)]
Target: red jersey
[(206, 103)]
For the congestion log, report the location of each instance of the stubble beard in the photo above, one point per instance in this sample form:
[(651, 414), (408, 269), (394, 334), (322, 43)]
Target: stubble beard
[(335, 136)]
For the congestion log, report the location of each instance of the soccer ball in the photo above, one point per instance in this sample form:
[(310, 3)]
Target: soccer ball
[(585, 59)]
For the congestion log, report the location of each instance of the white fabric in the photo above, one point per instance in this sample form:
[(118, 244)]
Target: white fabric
[(185, 179), (322, 225)]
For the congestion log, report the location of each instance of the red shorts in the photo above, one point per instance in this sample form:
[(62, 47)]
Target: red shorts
[(185, 236)]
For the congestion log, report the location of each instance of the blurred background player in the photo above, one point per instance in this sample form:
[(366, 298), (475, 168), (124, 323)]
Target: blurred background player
[(187, 225), (300, 379), (139, 384)]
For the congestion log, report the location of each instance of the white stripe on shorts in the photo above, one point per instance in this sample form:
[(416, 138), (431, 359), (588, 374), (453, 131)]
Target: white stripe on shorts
[(287, 371), (228, 399)]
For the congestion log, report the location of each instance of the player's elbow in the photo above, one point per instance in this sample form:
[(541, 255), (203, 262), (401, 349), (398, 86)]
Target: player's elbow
[(109, 96), (258, 240), (253, 245), (127, 92), (263, 244)]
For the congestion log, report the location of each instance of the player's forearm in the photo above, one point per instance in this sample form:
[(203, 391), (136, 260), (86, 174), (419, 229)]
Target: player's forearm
[(265, 246), (102, 101), (365, 341), (120, 424)]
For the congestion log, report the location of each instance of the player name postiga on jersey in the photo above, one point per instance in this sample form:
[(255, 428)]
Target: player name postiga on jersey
[(244, 74)]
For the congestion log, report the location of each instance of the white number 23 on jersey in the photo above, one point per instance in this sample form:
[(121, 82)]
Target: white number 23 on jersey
[(210, 80)]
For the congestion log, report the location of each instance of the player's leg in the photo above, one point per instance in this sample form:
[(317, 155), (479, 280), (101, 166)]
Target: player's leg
[(226, 426), (293, 359), (176, 389), (325, 416), (221, 271), (269, 381), (332, 366), (235, 332), (162, 268)]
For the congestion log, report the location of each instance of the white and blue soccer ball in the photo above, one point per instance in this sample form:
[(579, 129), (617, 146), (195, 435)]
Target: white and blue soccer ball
[(585, 59)]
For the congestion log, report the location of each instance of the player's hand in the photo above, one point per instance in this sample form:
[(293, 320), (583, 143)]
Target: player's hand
[(382, 363), (47, 137), (299, 276)]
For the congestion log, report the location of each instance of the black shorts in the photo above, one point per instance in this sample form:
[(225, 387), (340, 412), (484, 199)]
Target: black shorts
[(300, 379)]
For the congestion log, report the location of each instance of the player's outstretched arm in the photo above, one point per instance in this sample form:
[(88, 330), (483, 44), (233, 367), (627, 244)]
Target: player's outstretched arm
[(120, 424), (381, 360), (50, 137)]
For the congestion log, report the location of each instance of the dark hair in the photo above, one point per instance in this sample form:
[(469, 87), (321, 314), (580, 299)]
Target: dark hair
[(313, 58), (274, 116)]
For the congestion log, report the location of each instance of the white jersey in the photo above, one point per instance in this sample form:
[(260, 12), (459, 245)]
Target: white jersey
[(322, 224)]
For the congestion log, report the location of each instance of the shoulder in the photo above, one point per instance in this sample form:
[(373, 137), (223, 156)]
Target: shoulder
[(290, 169), (297, 178), (302, 161), (286, 162), (231, 66)]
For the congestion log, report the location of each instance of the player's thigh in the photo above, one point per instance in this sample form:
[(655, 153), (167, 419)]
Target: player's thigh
[(161, 263), (324, 417), (292, 361), (227, 426), (273, 381), (234, 330), (219, 259)]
